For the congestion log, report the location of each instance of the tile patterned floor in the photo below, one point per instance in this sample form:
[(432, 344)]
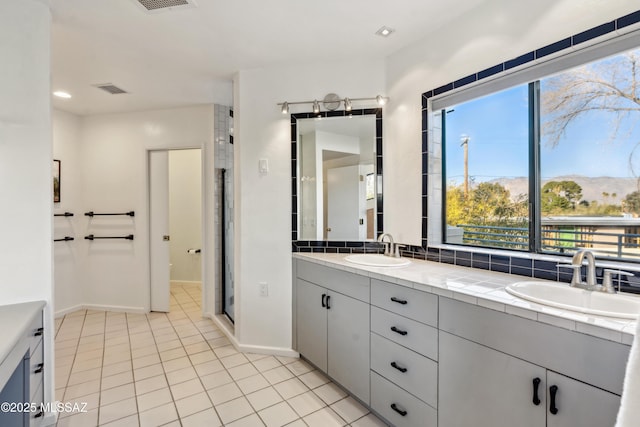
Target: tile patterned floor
[(178, 369)]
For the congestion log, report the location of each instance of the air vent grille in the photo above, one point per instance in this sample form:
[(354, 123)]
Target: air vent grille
[(153, 5), (111, 88)]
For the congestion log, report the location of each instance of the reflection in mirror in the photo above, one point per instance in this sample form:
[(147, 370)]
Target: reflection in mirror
[(338, 175)]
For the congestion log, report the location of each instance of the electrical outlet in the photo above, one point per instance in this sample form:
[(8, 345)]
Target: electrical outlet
[(264, 289)]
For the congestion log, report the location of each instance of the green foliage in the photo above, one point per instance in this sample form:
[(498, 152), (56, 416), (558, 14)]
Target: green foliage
[(560, 196), (631, 203), (486, 204)]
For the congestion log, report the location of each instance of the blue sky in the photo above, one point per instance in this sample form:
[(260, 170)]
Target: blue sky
[(498, 129)]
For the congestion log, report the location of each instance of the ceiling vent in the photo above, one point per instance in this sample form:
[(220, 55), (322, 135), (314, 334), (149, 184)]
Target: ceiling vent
[(153, 6), (111, 88)]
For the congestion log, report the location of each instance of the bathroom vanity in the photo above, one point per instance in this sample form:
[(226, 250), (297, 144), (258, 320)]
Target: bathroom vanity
[(438, 345), (21, 365)]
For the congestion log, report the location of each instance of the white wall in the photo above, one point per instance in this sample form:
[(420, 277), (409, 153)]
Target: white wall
[(26, 189), (263, 202), (185, 214), (491, 33), (115, 179), (68, 271)]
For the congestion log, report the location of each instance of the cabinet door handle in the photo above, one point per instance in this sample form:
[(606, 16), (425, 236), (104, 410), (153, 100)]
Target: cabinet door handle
[(398, 410), (324, 304), (39, 367), (38, 332), (328, 298), (39, 414), (536, 399), (398, 331), (552, 405), (399, 301), (399, 368)]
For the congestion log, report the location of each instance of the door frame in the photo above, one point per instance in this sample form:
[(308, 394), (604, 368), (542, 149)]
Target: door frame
[(206, 231)]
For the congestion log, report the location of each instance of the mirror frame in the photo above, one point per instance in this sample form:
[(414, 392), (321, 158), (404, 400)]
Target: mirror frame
[(331, 246)]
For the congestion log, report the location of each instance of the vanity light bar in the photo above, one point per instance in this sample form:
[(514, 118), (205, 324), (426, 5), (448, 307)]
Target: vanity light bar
[(379, 99)]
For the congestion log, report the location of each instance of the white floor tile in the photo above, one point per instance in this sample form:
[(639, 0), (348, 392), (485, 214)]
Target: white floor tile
[(178, 369), (264, 398), (234, 409), (278, 415), (206, 418), (349, 409)]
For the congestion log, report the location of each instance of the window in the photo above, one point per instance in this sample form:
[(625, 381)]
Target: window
[(548, 166)]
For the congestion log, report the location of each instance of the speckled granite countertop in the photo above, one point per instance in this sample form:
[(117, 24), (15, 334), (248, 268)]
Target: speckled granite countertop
[(483, 288)]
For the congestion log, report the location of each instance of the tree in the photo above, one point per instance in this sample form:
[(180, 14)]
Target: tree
[(610, 86), (631, 203), (560, 196)]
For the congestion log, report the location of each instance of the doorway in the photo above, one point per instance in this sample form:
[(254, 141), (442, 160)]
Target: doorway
[(175, 222)]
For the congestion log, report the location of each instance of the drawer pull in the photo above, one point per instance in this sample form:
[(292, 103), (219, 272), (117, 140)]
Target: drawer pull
[(552, 405), (536, 399), (39, 368), (402, 412), (38, 332), (398, 331), (399, 368), (399, 301)]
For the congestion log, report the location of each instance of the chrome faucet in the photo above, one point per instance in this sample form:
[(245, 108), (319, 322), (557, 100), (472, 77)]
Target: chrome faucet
[(576, 263), (389, 247)]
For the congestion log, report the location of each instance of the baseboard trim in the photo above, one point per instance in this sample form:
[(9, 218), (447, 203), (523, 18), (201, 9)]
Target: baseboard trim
[(100, 307), (223, 323), (66, 311)]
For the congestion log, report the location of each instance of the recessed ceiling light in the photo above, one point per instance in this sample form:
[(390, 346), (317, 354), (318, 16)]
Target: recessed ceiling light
[(385, 31), (62, 94)]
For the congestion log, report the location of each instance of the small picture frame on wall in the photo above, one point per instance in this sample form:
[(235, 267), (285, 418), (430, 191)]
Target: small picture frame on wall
[(56, 181)]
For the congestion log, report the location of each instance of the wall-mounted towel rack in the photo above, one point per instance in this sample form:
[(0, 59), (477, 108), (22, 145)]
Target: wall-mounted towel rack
[(92, 237), (64, 214), (64, 239), (92, 213)]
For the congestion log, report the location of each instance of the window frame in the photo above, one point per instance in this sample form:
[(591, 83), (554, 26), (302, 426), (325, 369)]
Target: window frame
[(439, 99)]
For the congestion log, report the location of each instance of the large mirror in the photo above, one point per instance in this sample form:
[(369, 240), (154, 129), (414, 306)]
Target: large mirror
[(337, 173)]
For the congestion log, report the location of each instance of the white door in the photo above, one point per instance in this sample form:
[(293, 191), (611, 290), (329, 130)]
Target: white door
[(159, 229), (342, 203)]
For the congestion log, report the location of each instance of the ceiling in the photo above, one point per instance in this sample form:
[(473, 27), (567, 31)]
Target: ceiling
[(188, 56)]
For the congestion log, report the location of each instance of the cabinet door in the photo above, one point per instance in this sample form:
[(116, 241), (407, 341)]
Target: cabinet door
[(481, 387), (312, 323), (348, 344), (579, 404)]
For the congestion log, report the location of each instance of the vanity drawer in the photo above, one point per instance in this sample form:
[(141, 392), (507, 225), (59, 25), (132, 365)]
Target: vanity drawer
[(35, 332), (36, 370), (391, 360), (409, 333), (344, 282), (416, 305), (408, 412)]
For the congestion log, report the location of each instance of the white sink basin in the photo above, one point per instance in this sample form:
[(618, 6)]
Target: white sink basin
[(562, 295), (377, 260)]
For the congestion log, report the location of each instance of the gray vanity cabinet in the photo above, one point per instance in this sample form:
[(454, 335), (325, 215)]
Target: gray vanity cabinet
[(332, 324), (312, 323), (579, 404), (489, 361), (482, 387)]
